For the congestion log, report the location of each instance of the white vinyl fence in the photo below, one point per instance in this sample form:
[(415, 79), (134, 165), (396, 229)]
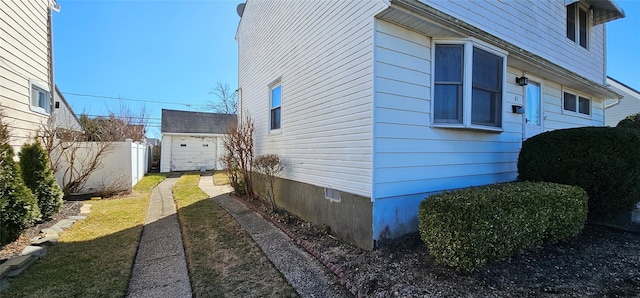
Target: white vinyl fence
[(122, 165)]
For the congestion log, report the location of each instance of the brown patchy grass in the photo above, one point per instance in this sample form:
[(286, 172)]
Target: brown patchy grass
[(222, 258), (221, 178), (94, 257)]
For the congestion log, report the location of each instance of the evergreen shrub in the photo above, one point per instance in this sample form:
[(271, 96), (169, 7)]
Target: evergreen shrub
[(18, 206), (467, 228), (604, 161), (38, 176)]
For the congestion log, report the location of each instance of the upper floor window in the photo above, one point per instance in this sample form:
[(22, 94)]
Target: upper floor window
[(275, 107), (468, 85), (40, 98), (578, 24), (575, 103)]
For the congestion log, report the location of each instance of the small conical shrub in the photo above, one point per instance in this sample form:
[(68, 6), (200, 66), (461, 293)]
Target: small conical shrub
[(18, 206), (38, 176)]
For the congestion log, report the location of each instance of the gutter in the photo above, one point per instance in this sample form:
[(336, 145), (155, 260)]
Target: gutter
[(53, 6)]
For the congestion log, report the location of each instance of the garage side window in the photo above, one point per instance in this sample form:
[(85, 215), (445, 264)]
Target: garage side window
[(275, 106)]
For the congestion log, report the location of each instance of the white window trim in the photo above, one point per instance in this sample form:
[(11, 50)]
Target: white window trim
[(577, 112), (469, 44), (275, 83), (576, 30), (44, 87)]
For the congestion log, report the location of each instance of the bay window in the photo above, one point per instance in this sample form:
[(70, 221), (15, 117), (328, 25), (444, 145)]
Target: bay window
[(468, 85)]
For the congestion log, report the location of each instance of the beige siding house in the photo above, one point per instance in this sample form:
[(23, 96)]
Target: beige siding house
[(618, 109), (375, 105), (63, 117), (26, 66)]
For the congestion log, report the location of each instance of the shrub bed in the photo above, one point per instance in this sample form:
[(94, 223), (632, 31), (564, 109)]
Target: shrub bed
[(466, 228), (18, 206), (38, 176), (604, 161)]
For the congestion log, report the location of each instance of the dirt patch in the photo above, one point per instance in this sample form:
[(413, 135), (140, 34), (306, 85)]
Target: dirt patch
[(69, 208), (600, 262)]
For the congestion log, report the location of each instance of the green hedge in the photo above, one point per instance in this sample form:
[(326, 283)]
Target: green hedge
[(468, 227), (38, 176), (631, 121), (18, 206), (604, 161)]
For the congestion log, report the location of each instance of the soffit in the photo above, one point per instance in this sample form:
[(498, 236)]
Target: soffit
[(427, 20)]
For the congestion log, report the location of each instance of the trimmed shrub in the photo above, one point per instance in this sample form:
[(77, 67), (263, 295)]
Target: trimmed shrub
[(468, 227), (632, 121), (38, 176), (604, 161), (18, 206)]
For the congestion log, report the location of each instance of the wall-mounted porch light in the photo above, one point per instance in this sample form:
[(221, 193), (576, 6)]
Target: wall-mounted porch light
[(522, 81)]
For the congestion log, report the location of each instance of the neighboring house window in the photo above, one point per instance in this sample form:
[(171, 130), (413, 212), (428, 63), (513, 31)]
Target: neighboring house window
[(468, 85), (575, 103), (40, 98), (276, 105), (578, 24)]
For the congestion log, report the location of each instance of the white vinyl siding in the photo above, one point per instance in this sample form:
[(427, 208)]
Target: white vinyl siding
[(323, 51), (24, 58), (628, 105), (410, 157), (536, 26)]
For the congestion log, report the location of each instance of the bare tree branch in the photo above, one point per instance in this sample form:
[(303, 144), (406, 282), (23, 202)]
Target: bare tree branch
[(226, 101)]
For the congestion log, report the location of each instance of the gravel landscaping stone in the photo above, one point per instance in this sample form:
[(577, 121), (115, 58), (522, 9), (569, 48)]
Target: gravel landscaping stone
[(37, 251), (69, 208)]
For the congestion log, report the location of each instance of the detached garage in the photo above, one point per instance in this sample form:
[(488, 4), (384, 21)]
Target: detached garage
[(192, 141)]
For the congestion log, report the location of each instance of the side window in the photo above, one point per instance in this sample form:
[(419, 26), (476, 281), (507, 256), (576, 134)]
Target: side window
[(40, 98), (574, 103), (578, 24), (449, 71), (275, 106), (486, 92)]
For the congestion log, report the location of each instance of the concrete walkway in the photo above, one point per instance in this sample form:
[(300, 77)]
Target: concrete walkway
[(160, 268), (304, 273)]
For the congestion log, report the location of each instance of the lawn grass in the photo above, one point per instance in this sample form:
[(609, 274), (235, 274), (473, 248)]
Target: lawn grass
[(221, 178), (222, 258), (94, 257)]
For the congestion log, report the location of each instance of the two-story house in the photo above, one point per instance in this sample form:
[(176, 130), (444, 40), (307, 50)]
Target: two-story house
[(26, 66), (375, 105)]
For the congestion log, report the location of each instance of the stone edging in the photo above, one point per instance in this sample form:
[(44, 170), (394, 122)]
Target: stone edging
[(13, 267), (308, 247)]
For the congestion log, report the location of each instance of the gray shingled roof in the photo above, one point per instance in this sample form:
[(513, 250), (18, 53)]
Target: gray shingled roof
[(195, 122)]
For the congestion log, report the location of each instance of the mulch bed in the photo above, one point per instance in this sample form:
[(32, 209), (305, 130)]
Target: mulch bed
[(600, 262), (69, 208)]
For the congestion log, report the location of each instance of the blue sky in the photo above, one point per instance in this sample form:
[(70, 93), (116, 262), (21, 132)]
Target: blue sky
[(176, 51), (169, 51)]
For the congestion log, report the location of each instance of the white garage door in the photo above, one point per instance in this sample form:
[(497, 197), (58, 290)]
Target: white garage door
[(193, 153)]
